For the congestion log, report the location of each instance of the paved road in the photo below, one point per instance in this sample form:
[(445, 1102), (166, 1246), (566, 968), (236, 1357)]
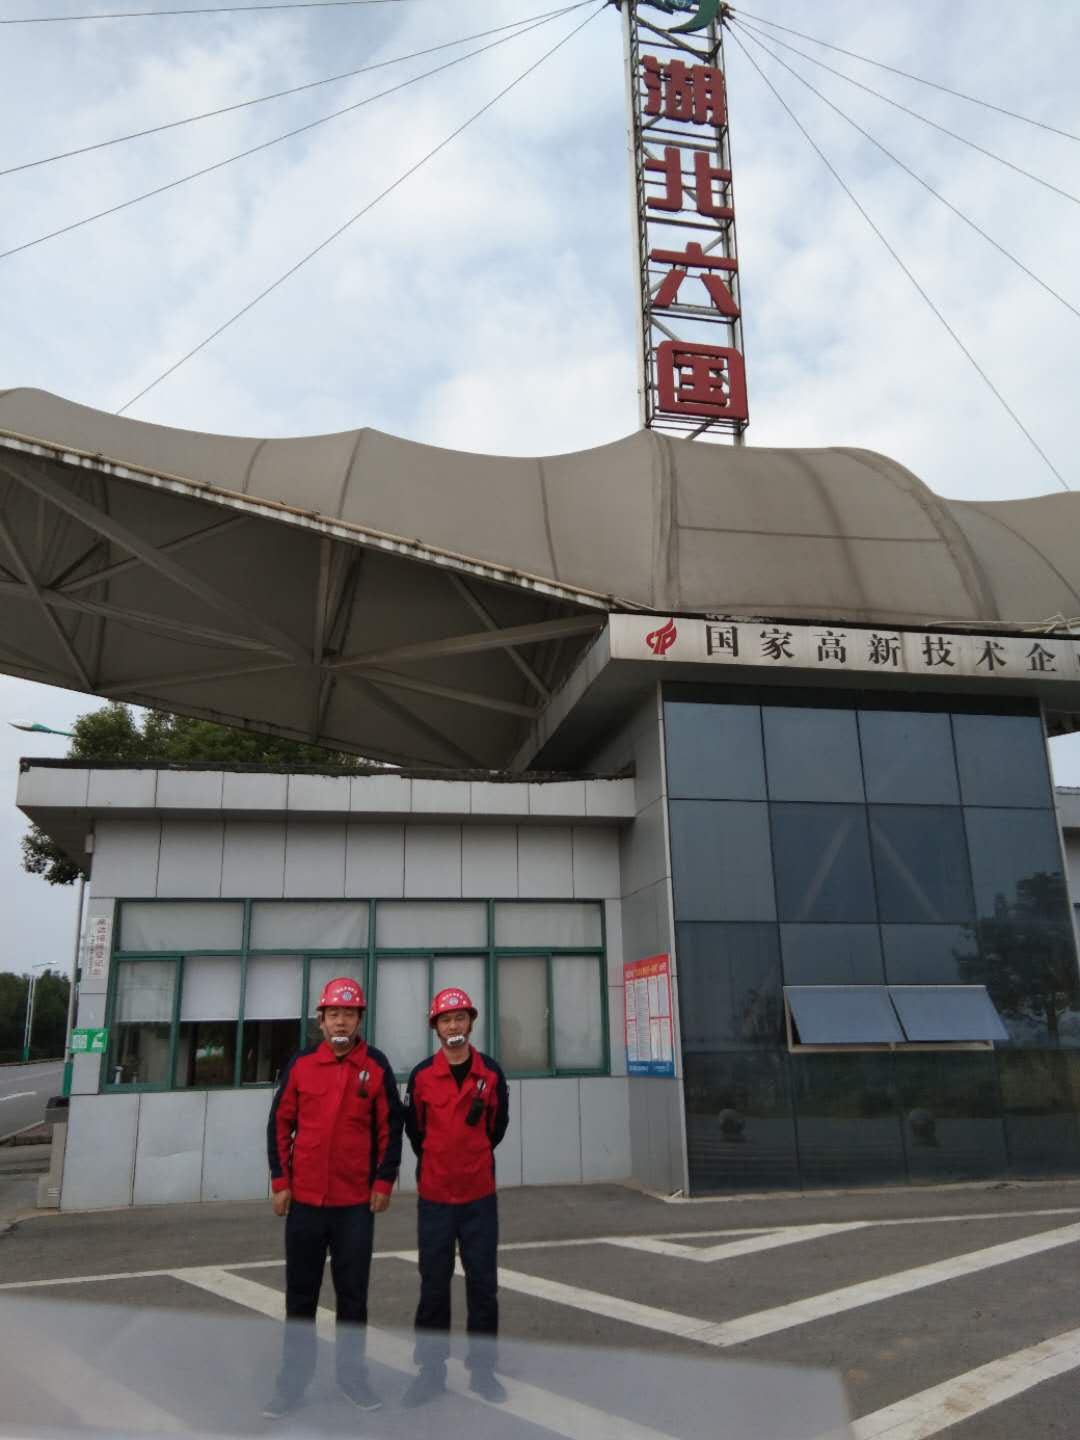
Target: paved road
[(24, 1093), (950, 1312)]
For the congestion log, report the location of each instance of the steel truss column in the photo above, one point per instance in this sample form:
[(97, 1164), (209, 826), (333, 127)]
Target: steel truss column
[(689, 311)]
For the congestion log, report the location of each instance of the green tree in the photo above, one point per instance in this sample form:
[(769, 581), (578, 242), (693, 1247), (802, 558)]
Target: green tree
[(114, 733), (50, 1015)]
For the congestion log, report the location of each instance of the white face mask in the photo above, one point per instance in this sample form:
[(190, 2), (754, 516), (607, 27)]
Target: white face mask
[(456, 1040), (341, 1042)]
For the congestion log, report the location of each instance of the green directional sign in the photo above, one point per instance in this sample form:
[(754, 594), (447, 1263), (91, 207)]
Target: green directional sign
[(89, 1042)]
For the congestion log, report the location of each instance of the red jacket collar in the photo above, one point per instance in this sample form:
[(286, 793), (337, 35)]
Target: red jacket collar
[(325, 1055)]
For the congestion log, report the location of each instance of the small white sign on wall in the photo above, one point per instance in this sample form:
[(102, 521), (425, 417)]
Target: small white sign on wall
[(98, 945)]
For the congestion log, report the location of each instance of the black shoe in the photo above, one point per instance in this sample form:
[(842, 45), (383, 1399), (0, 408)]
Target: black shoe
[(485, 1384), (425, 1387), (359, 1393), (280, 1404)]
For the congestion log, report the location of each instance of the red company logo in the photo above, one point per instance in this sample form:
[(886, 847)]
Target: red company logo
[(660, 641)]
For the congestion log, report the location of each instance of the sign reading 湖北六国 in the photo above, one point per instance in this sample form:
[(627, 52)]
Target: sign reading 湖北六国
[(650, 1046), (859, 649)]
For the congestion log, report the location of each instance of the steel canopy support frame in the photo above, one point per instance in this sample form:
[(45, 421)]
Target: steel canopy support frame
[(476, 643), (31, 584), (477, 606)]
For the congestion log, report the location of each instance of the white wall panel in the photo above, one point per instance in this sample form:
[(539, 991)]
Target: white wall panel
[(254, 792), (169, 1151), (440, 797), (432, 861), (122, 789), (613, 937), (315, 859), (605, 1129), (550, 1132), (375, 861), (487, 797), (317, 793), (99, 1161), (189, 789), (489, 861), (125, 857), (615, 798), (86, 1072), (545, 862), (190, 860), (638, 1101), (235, 1163), (253, 861), (560, 797), (643, 857), (648, 738), (596, 861), (41, 786), (617, 1028), (380, 793)]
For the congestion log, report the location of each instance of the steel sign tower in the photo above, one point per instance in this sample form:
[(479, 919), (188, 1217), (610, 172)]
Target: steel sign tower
[(691, 370)]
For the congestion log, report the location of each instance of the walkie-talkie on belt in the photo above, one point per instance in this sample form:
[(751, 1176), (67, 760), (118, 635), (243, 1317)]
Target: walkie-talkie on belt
[(476, 1109)]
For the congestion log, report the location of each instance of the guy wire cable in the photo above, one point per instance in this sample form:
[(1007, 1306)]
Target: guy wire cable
[(762, 35), (201, 10), (915, 282), (917, 177), (323, 244), (279, 94), (277, 139), (932, 84)]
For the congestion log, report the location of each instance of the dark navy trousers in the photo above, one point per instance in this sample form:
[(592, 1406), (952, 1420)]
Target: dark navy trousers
[(442, 1229), (347, 1232)]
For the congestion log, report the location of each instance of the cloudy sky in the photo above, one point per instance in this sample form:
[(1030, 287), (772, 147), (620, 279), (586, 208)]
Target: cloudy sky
[(487, 303)]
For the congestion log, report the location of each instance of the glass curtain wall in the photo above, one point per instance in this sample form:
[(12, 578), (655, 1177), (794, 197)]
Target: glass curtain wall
[(855, 839)]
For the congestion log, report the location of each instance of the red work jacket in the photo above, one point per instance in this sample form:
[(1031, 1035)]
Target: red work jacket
[(334, 1133), (455, 1162)]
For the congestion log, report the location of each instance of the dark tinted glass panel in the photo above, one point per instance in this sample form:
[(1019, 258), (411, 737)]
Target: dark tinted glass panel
[(206, 1053), (843, 1015), (831, 955), (908, 758), (268, 1045), (1039, 1098), (822, 858), (1016, 866), (848, 1125), (947, 1012), (950, 1114), (714, 752), (932, 955), (139, 1054), (721, 861), (729, 986), (1002, 760), (739, 1129), (921, 864), (812, 754)]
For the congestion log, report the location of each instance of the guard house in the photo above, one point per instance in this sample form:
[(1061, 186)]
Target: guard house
[(717, 775)]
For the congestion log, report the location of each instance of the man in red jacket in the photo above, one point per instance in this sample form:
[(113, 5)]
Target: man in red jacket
[(456, 1113), (334, 1138)]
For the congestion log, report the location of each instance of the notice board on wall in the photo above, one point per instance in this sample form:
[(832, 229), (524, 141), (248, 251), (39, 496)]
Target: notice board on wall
[(650, 1046)]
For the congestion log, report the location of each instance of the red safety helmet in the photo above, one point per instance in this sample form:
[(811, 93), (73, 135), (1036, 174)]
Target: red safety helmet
[(343, 993), (446, 1001)]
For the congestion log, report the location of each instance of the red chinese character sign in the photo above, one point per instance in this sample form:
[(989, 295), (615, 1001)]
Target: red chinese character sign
[(692, 374), (650, 1046)]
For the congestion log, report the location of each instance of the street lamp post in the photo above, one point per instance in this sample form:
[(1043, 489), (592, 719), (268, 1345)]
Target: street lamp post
[(28, 1028), (33, 727)]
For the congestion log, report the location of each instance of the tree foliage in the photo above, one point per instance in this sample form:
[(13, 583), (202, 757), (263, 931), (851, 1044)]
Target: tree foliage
[(115, 733), (50, 1015)]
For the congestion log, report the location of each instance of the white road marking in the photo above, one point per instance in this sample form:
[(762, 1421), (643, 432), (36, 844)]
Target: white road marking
[(553, 1413), (751, 1245), (726, 1333), (956, 1400), (19, 1095)]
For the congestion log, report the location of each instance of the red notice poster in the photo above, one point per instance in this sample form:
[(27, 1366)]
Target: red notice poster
[(650, 1048)]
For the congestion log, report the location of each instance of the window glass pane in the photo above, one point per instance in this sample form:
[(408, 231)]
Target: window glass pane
[(523, 1013), (908, 758), (721, 861), (268, 1046), (144, 991), (139, 1054), (401, 1012), (579, 1029), (468, 973), (947, 1012), (951, 1115), (822, 858), (205, 1053), (1039, 1098), (812, 754), (551, 925), (273, 987), (1002, 760), (843, 1014), (430, 924), (847, 1120), (739, 1129), (210, 988), (181, 925), (932, 955), (730, 994), (921, 864), (831, 955), (309, 925), (714, 752), (1016, 864)]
